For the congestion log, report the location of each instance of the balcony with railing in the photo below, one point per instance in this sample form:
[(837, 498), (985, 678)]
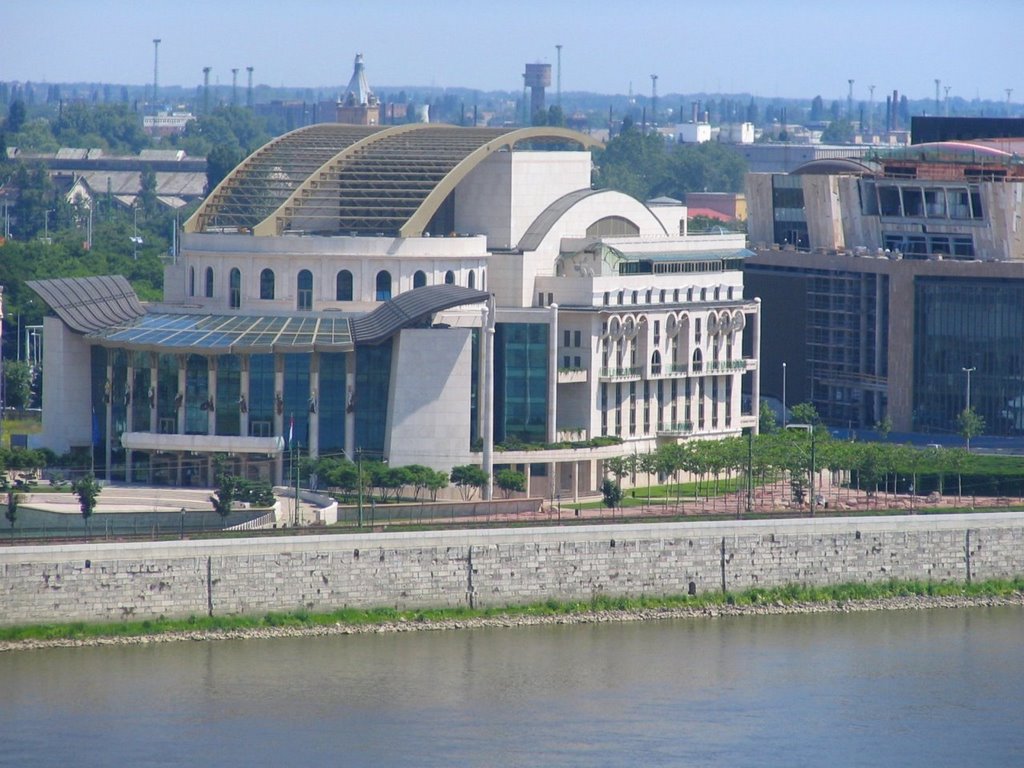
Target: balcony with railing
[(572, 375), (674, 430), (620, 374)]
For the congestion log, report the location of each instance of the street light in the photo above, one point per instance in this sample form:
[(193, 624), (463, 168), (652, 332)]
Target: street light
[(135, 233)]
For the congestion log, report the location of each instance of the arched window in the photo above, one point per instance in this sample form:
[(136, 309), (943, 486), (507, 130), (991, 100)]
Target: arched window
[(209, 283), (636, 296), (267, 284), (235, 288), (655, 363), (606, 298), (191, 281), (383, 286), (419, 280), (305, 290), (343, 289), (698, 361), (703, 294), (471, 280), (449, 278), (675, 295)]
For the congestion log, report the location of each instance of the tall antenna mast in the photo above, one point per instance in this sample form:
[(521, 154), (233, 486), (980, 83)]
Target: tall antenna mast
[(558, 76), (156, 69), (234, 86), (248, 95), (206, 90)]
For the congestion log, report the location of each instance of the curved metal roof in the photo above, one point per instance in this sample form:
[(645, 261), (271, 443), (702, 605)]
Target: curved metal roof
[(375, 181), (265, 179), (88, 304), (536, 232), (411, 308)]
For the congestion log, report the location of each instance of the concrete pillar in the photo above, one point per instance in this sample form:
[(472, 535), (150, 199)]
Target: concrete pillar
[(529, 479), (552, 374), (755, 384), (487, 329)]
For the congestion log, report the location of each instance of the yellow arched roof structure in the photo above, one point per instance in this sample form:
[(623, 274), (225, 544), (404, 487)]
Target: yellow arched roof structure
[(341, 179)]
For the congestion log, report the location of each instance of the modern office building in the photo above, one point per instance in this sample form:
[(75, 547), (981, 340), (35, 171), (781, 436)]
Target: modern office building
[(893, 285), (426, 294)]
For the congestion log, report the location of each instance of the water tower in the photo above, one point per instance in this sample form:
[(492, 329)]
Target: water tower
[(537, 77)]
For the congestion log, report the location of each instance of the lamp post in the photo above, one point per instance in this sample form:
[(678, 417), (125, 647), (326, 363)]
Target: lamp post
[(783, 394)]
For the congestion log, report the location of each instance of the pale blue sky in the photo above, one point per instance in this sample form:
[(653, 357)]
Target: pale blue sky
[(766, 47)]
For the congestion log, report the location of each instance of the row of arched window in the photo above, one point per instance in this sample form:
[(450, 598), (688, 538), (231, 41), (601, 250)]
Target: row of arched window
[(344, 285), (704, 294)]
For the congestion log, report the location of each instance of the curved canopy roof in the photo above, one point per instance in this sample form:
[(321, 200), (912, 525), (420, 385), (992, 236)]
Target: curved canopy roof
[(343, 179), (87, 304), (411, 308)]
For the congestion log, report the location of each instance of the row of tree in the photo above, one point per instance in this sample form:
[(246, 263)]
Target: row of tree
[(413, 481), (794, 453)]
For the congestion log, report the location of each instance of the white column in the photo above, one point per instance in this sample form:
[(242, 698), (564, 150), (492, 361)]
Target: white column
[(487, 329), (552, 374), (755, 386)]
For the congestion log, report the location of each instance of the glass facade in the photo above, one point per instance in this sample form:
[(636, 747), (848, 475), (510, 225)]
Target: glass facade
[(373, 377), (521, 381), (331, 403), (962, 323), (197, 395), (229, 389), (168, 403), (261, 395), (296, 398)]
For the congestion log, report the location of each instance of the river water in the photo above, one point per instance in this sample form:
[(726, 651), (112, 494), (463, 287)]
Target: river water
[(907, 688)]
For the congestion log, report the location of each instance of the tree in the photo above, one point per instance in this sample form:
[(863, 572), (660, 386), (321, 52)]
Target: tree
[(838, 132), (17, 384), (220, 162), (804, 413), (817, 109), (510, 481), (13, 499), (469, 479), (969, 424), (611, 493), (16, 116), (87, 490), (147, 194), (883, 427), (766, 420), (223, 498)]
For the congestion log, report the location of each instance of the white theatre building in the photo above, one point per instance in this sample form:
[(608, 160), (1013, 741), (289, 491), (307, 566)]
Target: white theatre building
[(427, 294)]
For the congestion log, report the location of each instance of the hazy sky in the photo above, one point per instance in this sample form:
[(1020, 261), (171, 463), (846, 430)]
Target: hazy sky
[(765, 47)]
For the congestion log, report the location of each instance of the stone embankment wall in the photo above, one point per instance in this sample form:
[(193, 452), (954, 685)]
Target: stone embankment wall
[(102, 582)]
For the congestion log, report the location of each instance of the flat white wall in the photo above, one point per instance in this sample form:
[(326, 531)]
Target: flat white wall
[(67, 417), (428, 410)]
